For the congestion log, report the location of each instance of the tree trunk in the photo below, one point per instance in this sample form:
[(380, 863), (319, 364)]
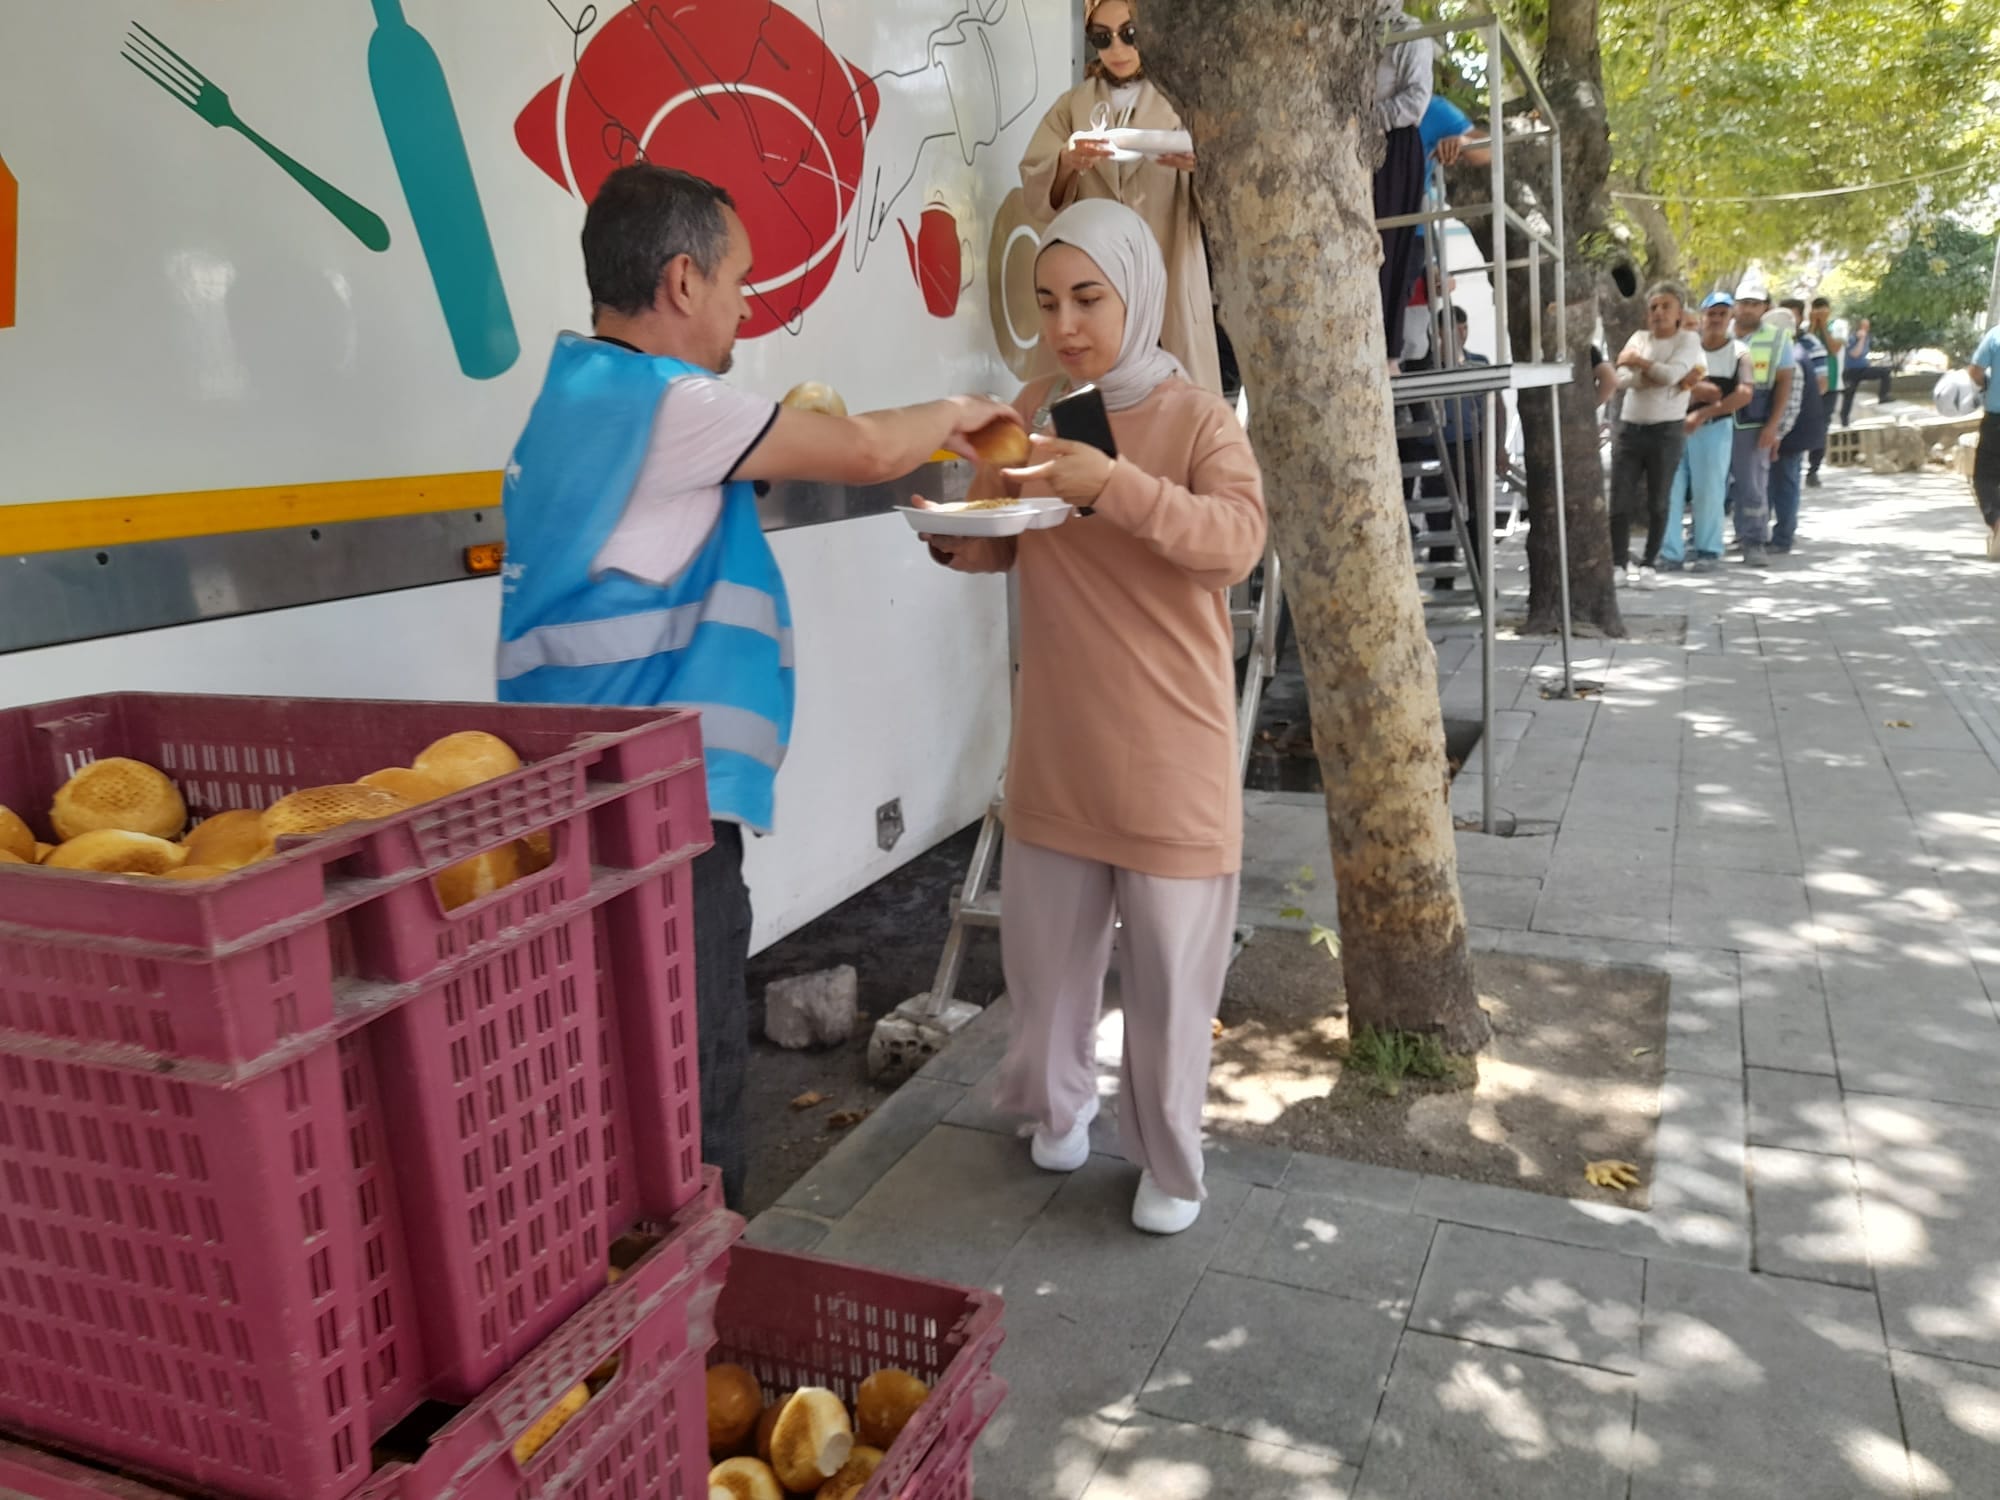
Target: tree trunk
[(1288, 208)]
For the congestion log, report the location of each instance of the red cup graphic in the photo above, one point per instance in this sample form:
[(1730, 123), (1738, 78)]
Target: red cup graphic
[(937, 259)]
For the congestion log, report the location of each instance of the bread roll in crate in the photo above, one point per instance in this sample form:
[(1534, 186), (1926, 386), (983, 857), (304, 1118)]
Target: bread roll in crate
[(398, 1138)]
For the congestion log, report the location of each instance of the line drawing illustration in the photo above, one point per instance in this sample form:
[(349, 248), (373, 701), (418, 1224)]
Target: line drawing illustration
[(812, 147), (190, 87), (413, 101)]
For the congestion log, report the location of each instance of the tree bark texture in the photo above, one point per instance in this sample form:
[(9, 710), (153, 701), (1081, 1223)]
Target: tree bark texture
[(1279, 95)]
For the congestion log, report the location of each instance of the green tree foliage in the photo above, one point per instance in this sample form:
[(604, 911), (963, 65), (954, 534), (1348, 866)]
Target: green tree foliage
[(1933, 294), (1726, 99)]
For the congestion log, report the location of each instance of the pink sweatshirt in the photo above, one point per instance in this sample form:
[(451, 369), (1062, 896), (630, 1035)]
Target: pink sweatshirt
[(1125, 716)]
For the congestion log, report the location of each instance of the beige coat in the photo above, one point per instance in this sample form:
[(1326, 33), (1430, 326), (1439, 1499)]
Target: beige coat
[(1161, 196)]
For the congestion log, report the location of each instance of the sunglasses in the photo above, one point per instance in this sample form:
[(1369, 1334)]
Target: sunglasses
[(1099, 37)]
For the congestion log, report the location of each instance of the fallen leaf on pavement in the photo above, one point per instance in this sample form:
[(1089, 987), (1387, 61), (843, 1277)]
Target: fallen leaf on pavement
[(1641, 1051), (1619, 1176), (1215, 1027), (1897, 724), (841, 1119), (808, 1099)]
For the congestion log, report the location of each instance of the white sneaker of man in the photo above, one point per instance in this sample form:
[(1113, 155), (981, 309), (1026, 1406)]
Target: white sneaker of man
[(1648, 576), (1630, 577), (1156, 1211), (1066, 1152)]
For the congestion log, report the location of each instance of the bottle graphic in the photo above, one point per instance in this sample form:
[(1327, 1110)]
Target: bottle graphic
[(415, 107), (10, 242)]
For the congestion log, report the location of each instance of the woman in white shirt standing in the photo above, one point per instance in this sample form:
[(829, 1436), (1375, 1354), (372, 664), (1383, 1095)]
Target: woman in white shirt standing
[(1646, 447)]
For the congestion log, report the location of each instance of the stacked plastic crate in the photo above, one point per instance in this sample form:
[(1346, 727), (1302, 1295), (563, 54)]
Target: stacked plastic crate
[(311, 1189)]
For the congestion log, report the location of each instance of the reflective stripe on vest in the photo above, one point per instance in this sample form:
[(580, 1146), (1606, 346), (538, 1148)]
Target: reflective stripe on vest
[(599, 643)]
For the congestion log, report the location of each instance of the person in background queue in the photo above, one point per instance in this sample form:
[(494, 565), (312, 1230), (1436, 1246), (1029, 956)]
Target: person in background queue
[(1123, 797), (637, 572), (1807, 434), (1984, 369), (1858, 366), (1718, 388), (1760, 422), (1402, 93), (1055, 174), (1832, 337), (1646, 448)]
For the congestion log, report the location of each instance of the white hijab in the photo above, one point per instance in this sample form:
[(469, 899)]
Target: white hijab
[(1128, 255)]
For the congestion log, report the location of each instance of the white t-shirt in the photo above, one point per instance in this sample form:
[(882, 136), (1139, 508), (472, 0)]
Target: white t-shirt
[(1648, 400), (702, 431)]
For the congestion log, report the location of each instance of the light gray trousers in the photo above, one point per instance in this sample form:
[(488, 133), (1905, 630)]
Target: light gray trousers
[(1056, 921)]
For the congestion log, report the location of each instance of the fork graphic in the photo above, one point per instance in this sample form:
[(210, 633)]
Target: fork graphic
[(191, 87)]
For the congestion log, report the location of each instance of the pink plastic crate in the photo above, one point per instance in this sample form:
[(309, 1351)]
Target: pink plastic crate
[(794, 1320), (207, 1266), (644, 1433)]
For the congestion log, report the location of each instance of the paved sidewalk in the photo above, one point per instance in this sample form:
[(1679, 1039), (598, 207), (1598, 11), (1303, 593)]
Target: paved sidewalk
[(1796, 814)]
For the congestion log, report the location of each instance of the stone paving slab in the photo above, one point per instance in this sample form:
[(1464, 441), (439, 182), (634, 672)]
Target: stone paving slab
[(1152, 1458), (1798, 1111), (1739, 909), (1255, 1359), (1785, 1022), (1332, 1245), (1572, 1304), (1755, 1385), (1462, 1420), (1806, 1212), (1951, 1414), (845, 1174)]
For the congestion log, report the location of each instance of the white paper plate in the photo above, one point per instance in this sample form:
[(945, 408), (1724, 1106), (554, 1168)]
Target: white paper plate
[(1024, 515), (1137, 145)]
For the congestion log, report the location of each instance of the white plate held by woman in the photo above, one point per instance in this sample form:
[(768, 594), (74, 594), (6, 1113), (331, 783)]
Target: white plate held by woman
[(1138, 145), (985, 518)]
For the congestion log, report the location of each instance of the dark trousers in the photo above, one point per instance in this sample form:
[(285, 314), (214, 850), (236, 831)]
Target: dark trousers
[(1851, 377), (1399, 189), (1644, 457), (1986, 469), (722, 1005)]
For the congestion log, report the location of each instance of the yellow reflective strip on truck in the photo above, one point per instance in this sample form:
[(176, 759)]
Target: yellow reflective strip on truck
[(62, 525)]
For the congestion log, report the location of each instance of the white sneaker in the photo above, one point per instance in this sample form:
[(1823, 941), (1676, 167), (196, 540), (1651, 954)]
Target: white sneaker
[(1157, 1213), (1064, 1153), (1630, 577), (1648, 577)]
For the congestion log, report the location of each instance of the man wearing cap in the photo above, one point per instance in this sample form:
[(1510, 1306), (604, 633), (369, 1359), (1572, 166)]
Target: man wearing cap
[(1718, 389), (1761, 422)]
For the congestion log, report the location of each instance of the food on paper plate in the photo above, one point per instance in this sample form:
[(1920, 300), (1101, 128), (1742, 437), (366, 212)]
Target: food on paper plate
[(467, 758), (320, 809), (229, 840), (811, 1440), (743, 1479), (885, 1403), (16, 837), (115, 851), (128, 795), (1002, 442), (735, 1401), (1001, 503), (853, 1476), (810, 395)]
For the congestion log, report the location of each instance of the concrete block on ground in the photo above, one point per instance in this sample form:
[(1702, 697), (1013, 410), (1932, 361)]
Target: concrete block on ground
[(1336, 1177), (1514, 1293), (905, 1040), (1332, 1245), (842, 1177), (977, 1048), (1155, 1459), (1951, 1416), (1756, 1385), (1806, 1213), (1797, 1111), (1460, 1420), (812, 1010), (951, 1209), (1282, 1365)]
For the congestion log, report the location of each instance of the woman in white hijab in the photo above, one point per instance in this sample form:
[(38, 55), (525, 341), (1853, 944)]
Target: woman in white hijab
[(1122, 796)]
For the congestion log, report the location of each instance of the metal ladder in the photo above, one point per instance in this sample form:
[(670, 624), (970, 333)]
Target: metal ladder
[(1427, 422), (977, 901)]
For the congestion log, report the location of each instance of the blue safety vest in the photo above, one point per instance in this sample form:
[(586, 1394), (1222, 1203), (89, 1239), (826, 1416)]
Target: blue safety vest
[(718, 638)]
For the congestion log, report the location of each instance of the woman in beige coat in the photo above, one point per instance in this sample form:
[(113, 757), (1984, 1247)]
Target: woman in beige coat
[(1054, 174)]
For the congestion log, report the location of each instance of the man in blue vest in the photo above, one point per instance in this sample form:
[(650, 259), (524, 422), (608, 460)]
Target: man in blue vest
[(1761, 423), (637, 572)]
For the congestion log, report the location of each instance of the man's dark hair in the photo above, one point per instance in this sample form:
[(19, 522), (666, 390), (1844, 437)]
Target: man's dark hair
[(1819, 302), (642, 218), (1793, 305), (1458, 314)]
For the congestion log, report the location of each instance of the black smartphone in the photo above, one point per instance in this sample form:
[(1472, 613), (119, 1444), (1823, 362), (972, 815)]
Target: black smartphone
[(1081, 418)]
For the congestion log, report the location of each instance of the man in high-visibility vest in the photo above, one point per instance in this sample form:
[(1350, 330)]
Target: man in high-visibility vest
[(1760, 424)]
